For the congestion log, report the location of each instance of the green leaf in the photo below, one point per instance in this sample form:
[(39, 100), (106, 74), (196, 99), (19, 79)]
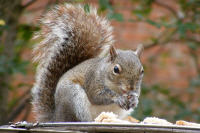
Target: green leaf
[(181, 29), (116, 16), (13, 65), (87, 8), (183, 113), (145, 90), (192, 45), (161, 89), (79, 1), (19, 66), (184, 27), (195, 82), (142, 12), (25, 32), (12, 103), (177, 102), (2, 28), (104, 5), (191, 26), (147, 106), (153, 23)]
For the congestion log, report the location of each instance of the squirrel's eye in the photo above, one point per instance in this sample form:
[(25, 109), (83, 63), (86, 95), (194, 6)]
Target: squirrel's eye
[(142, 71), (116, 69)]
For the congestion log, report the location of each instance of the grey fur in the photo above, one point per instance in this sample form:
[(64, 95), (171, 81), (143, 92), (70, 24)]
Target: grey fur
[(74, 78)]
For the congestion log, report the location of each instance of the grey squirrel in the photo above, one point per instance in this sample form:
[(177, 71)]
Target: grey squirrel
[(80, 73)]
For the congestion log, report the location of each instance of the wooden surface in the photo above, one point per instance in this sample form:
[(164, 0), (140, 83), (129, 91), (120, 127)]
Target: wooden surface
[(98, 127)]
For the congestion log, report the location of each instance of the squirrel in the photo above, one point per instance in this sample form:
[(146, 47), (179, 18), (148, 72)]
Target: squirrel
[(80, 73)]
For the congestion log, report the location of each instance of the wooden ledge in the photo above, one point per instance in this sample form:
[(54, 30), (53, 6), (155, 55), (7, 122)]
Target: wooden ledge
[(68, 127)]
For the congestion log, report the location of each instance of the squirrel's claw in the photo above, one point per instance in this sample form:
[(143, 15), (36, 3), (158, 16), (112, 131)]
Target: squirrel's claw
[(132, 99), (127, 101), (122, 101)]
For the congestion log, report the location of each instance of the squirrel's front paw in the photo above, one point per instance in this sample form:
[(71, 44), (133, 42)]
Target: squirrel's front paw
[(127, 101), (122, 101), (132, 99)]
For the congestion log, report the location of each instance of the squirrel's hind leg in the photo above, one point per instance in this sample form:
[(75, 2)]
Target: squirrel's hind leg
[(71, 102)]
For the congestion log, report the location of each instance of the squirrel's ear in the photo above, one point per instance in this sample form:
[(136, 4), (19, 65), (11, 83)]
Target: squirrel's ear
[(139, 50), (113, 53)]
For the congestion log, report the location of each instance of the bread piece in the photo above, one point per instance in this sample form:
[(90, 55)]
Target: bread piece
[(131, 119), (155, 120), (109, 117), (185, 123)]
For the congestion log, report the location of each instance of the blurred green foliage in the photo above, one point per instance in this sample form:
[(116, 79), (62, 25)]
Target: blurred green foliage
[(104, 5), (11, 65), (168, 106), (15, 64)]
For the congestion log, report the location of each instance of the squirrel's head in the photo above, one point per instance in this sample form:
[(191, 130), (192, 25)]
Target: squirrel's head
[(125, 71)]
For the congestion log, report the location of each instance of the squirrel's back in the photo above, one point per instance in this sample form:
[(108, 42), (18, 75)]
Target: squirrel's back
[(68, 36)]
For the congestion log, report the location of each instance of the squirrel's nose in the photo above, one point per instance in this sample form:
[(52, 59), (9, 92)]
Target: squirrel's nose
[(130, 87)]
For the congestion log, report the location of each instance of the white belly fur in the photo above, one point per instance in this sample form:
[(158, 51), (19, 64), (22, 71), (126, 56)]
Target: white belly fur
[(97, 109)]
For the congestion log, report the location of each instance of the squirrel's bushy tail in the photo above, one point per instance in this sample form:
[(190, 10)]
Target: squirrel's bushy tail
[(68, 36)]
